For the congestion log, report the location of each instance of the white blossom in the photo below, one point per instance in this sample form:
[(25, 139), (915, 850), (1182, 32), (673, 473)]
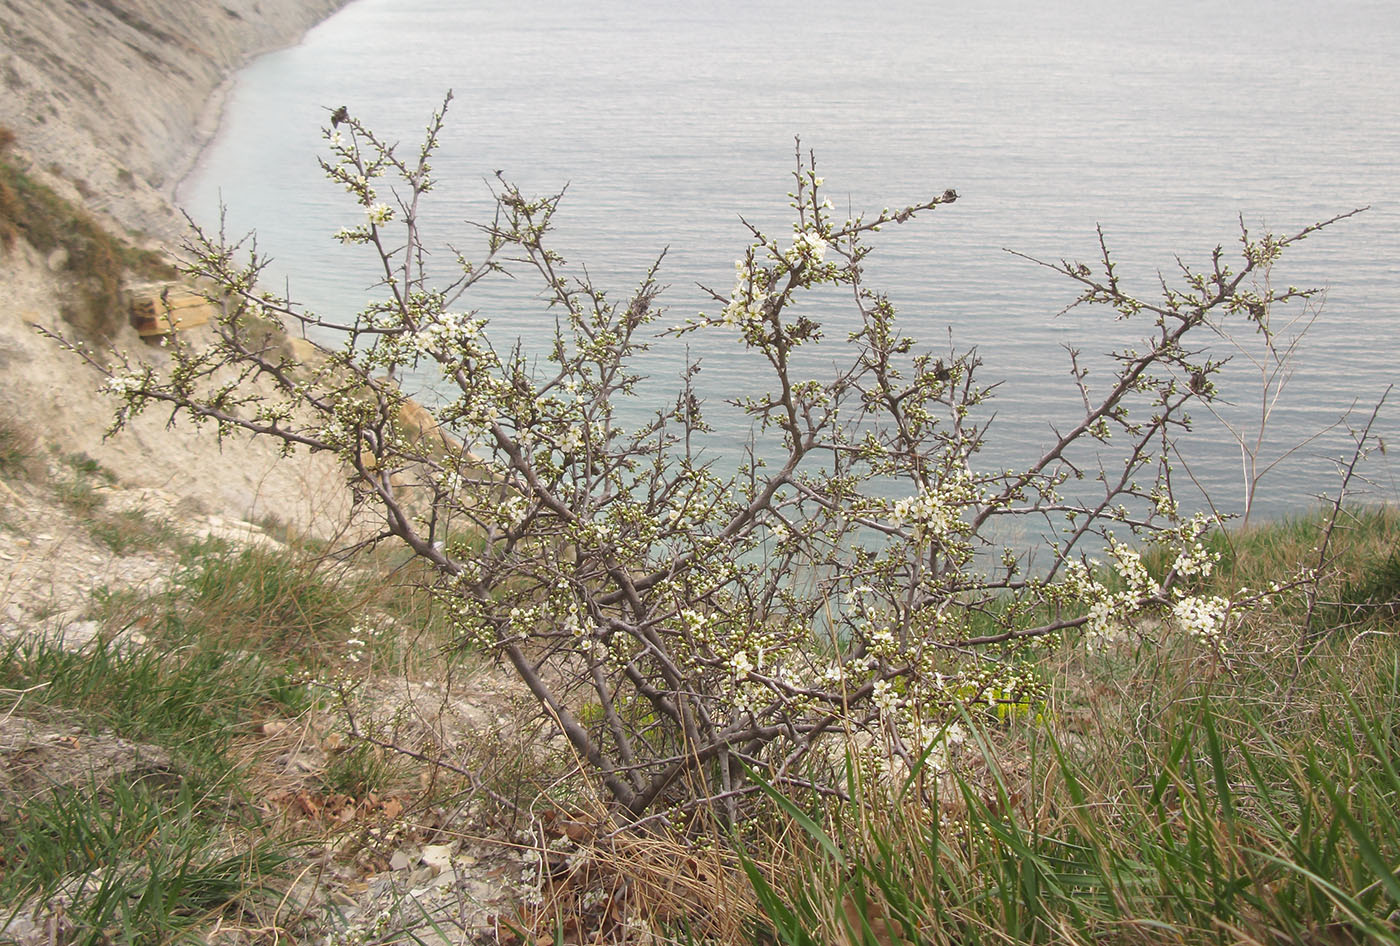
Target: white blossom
[(885, 696), (1201, 617), (808, 244), (379, 214), (125, 384)]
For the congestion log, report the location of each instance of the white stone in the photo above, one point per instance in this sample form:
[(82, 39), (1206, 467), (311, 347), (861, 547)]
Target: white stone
[(437, 856)]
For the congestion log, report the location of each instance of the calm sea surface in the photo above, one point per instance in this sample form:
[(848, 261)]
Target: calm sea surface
[(1165, 123)]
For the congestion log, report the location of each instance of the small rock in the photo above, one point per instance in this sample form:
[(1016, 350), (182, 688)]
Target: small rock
[(437, 856), (341, 898), (79, 634)]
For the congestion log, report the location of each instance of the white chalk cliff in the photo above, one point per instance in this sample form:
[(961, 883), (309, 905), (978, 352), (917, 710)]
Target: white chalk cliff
[(109, 102)]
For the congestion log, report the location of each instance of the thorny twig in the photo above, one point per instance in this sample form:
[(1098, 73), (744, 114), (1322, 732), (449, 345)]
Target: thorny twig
[(676, 621)]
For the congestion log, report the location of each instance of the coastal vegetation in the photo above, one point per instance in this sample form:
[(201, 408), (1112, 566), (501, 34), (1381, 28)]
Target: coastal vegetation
[(684, 625), (820, 692), (1164, 786), (179, 812), (1164, 791)]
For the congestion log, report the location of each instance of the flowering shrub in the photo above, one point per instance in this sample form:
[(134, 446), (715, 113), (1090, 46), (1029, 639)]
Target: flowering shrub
[(685, 626)]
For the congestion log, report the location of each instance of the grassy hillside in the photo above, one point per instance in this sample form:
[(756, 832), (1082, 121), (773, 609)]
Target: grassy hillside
[(1245, 789), (1169, 790)]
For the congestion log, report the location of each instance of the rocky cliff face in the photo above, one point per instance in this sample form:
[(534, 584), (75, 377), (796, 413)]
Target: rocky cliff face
[(109, 99), (104, 99)]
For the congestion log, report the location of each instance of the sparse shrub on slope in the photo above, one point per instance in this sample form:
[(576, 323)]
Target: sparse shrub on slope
[(686, 627)]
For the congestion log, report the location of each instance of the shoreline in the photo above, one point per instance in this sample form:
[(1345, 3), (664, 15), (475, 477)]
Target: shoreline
[(205, 130), (113, 110), (206, 125), (138, 107)]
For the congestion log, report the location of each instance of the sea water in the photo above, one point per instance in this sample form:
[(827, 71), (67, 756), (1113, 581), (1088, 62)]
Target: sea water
[(1166, 124)]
